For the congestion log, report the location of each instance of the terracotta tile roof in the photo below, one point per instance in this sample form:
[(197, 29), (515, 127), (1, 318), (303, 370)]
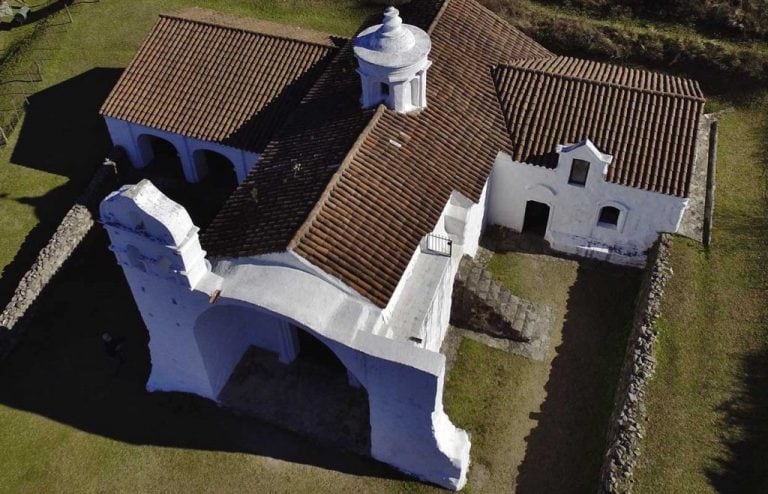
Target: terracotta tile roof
[(357, 205), (219, 78), (647, 121)]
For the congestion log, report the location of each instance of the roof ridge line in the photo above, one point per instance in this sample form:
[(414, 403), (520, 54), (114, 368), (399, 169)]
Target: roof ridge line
[(336, 177), (437, 17), (700, 99), (178, 15)]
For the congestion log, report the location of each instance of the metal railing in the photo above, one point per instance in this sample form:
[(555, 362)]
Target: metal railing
[(437, 244)]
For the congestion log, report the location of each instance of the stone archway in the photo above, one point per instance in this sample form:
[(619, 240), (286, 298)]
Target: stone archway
[(160, 155), (265, 366), (216, 169)]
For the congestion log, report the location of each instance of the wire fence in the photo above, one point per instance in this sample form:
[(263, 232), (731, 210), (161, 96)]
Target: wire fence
[(22, 66)]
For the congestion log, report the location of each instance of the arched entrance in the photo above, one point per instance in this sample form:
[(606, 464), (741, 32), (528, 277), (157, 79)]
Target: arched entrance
[(160, 156), (215, 169), (242, 348)]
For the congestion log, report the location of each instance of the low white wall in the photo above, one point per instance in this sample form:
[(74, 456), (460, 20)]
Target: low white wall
[(574, 210), (126, 134)]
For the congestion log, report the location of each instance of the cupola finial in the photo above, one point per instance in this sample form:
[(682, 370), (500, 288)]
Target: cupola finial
[(392, 60)]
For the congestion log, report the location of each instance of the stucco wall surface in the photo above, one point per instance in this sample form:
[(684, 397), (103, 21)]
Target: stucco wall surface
[(574, 209), (127, 135)]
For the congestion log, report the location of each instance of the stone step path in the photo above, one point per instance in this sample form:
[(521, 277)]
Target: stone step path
[(482, 304)]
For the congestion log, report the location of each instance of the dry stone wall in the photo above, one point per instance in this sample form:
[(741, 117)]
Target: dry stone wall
[(626, 425), (71, 231)]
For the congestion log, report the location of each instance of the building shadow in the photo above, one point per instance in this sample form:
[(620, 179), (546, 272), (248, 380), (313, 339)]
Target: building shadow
[(60, 370), (564, 451), (49, 210), (63, 132)]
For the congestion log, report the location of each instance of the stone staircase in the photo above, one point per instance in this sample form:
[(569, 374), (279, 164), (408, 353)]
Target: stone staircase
[(482, 305)]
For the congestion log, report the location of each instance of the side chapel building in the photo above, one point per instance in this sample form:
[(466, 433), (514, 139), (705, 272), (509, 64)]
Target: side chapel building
[(367, 168)]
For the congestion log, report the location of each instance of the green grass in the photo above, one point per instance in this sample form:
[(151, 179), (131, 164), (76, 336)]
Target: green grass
[(707, 407), (552, 416), (50, 157)]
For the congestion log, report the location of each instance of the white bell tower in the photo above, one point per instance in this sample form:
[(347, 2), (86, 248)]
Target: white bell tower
[(392, 63)]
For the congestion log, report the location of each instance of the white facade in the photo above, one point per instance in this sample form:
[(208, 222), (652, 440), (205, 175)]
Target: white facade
[(201, 319), (575, 209), (392, 63), (136, 139)]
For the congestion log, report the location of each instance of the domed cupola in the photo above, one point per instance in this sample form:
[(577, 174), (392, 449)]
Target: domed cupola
[(392, 63)]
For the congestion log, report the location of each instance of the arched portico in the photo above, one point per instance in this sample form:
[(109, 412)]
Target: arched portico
[(215, 168), (200, 323), (159, 152), (195, 155)]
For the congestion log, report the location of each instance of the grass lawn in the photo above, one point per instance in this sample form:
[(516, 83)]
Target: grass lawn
[(707, 404), (54, 150), (557, 411)]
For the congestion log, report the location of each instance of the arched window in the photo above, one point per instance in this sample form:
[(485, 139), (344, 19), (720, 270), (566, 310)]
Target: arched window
[(609, 217)]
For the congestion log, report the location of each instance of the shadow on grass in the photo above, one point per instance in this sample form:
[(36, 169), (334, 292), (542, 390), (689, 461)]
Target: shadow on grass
[(49, 210), (744, 467), (564, 451), (59, 370), (62, 134)]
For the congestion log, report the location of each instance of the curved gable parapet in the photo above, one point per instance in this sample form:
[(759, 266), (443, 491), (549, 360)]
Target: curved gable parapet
[(146, 211)]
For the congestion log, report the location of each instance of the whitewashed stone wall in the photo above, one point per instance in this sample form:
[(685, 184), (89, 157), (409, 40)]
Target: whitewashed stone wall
[(574, 210), (128, 135)]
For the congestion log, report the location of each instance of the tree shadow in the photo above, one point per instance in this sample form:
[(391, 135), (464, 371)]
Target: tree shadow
[(743, 469), (564, 451), (59, 370), (63, 132)]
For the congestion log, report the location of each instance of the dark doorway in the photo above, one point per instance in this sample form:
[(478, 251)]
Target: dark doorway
[(536, 218)]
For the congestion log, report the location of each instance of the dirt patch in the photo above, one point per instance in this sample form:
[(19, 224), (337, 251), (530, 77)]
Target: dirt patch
[(304, 396)]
